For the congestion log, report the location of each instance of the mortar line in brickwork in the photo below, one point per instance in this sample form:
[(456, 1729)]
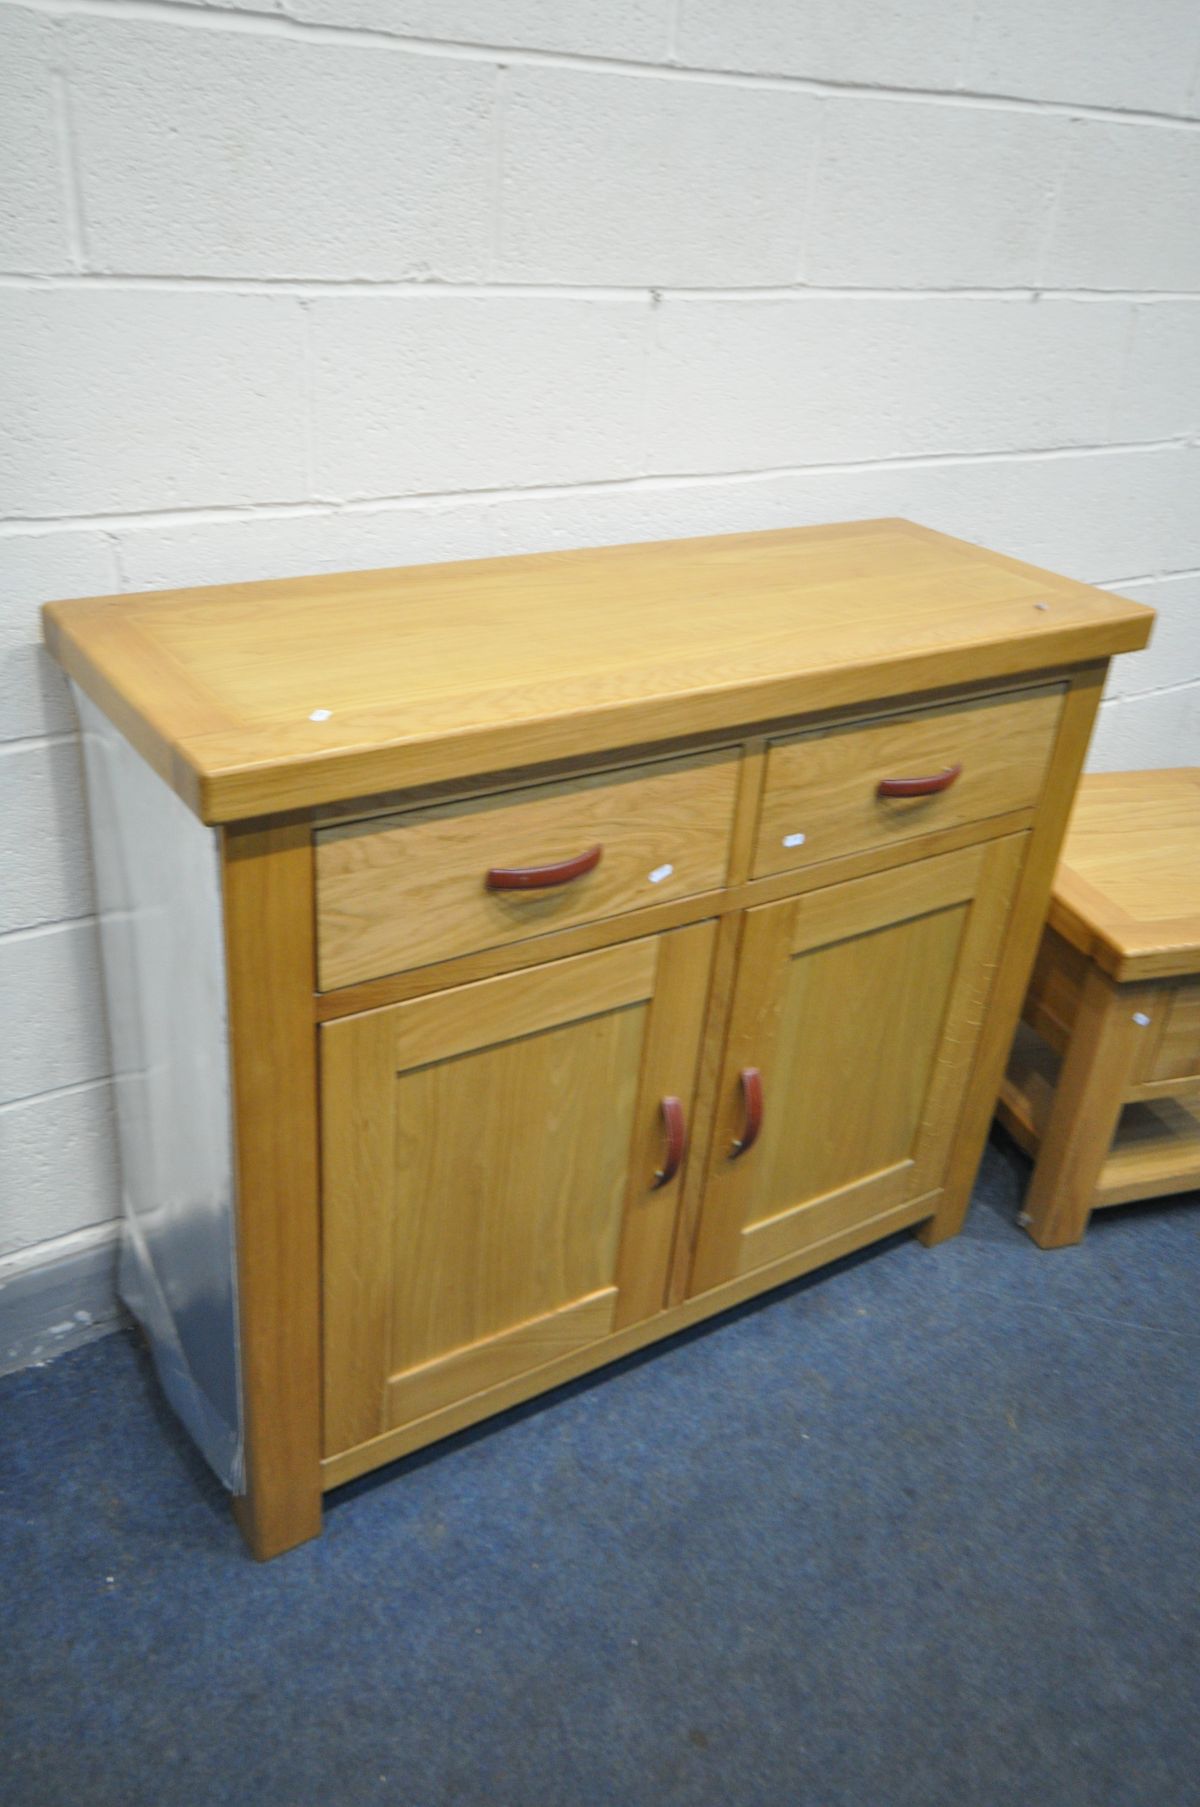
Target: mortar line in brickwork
[(384, 288), (36, 930), (69, 172), (1049, 233), (309, 380), (116, 553), (1149, 577), (967, 47), (53, 1091), (667, 480), (57, 1248), (278, 25), (448, 500), (499, 103), (1144, 696), (812, 195), (1118, 396), (674, 8), (26, 743), (441, 501)]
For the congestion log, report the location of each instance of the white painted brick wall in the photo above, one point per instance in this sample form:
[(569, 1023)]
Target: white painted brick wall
[(1125, 216), (303, 285), (739, 384), (47, 877), (350, 162), (33, 693), (1174, 651), (1118, 56), (890, 43), (415, 394), (888, 210), (609, 179), (1159, 396), (54, 1029), (126, 399), (61, 1148), (32, 202), (632, 29)]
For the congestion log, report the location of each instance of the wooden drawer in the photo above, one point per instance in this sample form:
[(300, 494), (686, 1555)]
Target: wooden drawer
[(822, 794), (408, 889), (1174, 1052)]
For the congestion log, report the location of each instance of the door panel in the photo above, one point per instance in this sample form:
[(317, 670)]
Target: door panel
[(859, 1008), (489, 1160), (513, 1206), (836, 997)]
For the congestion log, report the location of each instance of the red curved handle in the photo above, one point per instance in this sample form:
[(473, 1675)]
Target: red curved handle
[(535, 878), (919, 787), (673, 1124), (752, 1106)]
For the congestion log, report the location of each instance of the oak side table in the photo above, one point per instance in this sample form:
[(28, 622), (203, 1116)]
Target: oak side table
[(1103, 1084)]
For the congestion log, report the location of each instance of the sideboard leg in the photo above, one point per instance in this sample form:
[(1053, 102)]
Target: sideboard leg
[(271, 976), (1020, 949), (274, 1521)]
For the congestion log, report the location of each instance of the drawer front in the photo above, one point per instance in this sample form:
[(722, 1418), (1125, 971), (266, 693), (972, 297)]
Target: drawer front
[(405, 890), (822, 796), (1176, 1053)]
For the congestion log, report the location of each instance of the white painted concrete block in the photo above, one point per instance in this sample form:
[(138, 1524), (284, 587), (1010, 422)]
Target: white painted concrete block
[(133, 400), (37, 568), (1090, 516), (47, 872), (632, 29), (241, 551), (915, 45), (1173, 655), (59, 1160), (33, 227), (1147, 732), (625, 179), (418, 395), (1127, 212), (1160, 391), (736, 385), (927, 196), (207, 153), (1134, 54), (1098, 517), (53, 1013)]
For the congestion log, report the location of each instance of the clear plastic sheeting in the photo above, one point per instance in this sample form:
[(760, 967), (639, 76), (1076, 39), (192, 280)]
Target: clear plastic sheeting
[(158, 879)]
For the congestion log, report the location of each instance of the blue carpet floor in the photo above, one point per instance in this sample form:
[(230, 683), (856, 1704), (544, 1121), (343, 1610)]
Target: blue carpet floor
[(923, 1529)]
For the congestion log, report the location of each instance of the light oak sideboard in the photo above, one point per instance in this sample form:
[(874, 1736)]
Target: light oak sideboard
[(513, 962)]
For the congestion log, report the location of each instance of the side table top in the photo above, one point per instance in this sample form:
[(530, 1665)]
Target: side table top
[(1127, 889)]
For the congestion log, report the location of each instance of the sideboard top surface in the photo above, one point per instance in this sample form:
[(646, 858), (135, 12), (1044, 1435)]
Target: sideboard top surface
[(251, 699)]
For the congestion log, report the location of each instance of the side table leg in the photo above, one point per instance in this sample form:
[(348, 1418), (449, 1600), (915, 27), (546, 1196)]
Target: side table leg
[(1095, 1078)]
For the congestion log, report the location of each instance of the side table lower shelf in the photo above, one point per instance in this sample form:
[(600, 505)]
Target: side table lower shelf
[(1156, 1147)]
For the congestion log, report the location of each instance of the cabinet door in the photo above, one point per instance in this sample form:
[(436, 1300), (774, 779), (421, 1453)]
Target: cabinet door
[(852, 1031), (490, 1157)]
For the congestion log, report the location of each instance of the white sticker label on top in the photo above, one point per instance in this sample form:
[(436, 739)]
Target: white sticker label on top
[(659, 873), (794, 840)]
